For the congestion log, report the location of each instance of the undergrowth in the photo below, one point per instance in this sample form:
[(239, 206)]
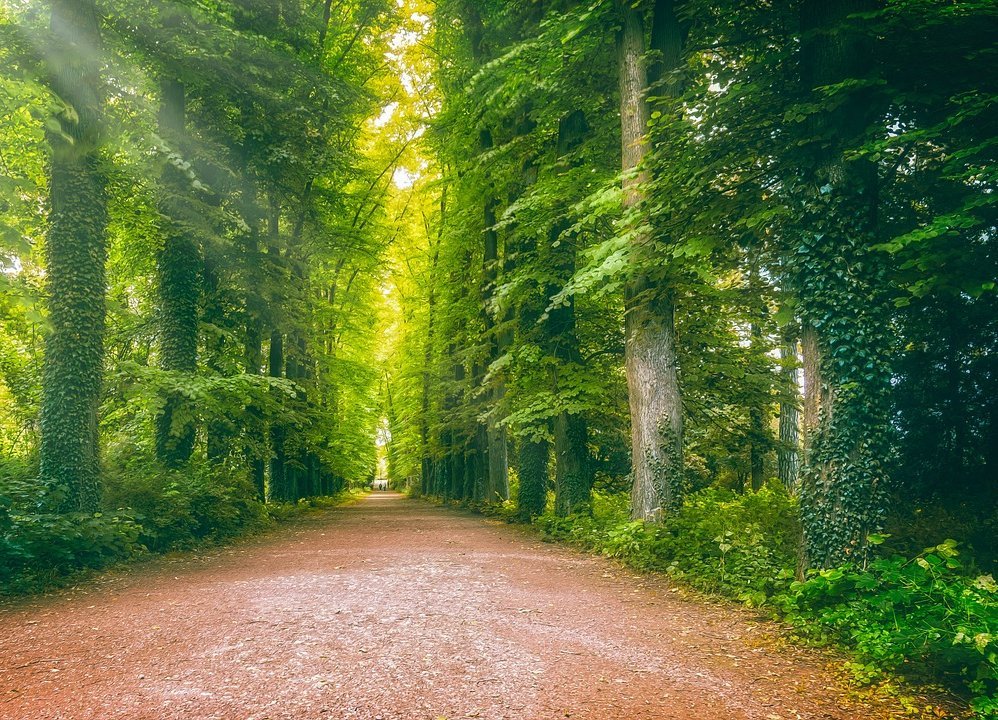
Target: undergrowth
[(154, 512), (925, 618)]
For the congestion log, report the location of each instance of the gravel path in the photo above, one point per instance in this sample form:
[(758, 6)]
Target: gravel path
[(391, 609)]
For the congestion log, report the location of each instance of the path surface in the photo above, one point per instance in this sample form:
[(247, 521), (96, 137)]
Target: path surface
[(392, 609)]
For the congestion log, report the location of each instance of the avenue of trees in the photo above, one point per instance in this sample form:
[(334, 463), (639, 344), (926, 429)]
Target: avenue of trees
[(191, 230), (707, 286), (675, 245), (710, 287)]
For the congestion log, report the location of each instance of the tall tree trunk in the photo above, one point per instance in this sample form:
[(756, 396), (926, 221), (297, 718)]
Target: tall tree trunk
[(179, 269), (220, 430), (446, 481), (493, 440), (75, 254), (573, 465), (456, 471), (760, 440), (479, 461), (534, 449), (296, 451), (816, 393), (838, 275), (279, 489), (427, 468), (649, 325), (279, 477), (486, 471), (255, 428), (788, 451), (254, 267), (533, 472)]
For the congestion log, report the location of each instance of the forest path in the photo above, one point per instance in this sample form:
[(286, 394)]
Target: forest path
[(392, 609)]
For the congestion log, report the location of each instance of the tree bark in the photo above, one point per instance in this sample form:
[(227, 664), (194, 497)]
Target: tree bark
[(220, 430), (573, 464), (255, 429), (75, 255), (427, 468), (279, 489), (649, 326), (493, 440), (816, 394), (788, 452), (533, 469), (760, 439)]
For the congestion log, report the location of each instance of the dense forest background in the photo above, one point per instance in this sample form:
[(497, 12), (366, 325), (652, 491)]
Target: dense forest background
[(707, 286)]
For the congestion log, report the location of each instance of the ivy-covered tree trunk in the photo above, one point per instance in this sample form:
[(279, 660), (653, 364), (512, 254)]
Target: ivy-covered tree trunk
[(220, 430), (178, 266), (75, 257), (649, 323), (533, 472), (839, 277)]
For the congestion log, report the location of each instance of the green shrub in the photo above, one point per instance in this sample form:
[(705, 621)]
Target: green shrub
[(178, 509), (741, 546), (37, 547), (919, 616)]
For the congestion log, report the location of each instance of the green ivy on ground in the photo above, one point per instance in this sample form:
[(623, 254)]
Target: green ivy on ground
[(925, 618)]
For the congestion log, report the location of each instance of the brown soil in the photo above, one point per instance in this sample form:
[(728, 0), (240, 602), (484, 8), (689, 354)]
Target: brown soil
[(395, 610)]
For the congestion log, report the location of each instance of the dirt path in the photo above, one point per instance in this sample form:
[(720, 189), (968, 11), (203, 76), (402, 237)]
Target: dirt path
[(394, 610)]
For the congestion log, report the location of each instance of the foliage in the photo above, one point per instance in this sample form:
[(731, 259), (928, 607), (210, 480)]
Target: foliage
[(38, 545), (264, 251), (176, 509), (742, 546), (147, 508), (922, 617)]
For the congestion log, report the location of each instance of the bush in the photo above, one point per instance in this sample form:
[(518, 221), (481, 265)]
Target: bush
[(741, 546), (178, 509), (37, 546), (919, 616)]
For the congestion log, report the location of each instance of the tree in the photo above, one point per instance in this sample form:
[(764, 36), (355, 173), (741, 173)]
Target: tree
[(650, 350), (75, 255), (179, 266), (839, 278)]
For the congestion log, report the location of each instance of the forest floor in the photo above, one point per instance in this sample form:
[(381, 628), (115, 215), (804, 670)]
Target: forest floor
[(392, 609)]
